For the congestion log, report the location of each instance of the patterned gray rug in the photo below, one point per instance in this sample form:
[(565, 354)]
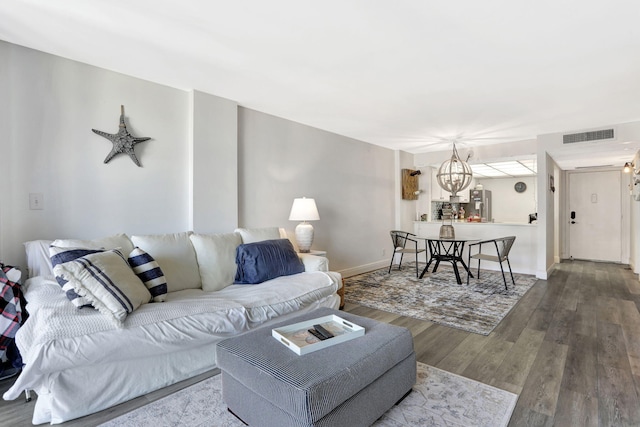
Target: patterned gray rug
[(437, 297), (439, 398)]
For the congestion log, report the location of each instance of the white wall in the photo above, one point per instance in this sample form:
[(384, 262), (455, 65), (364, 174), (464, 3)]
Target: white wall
[(634, 231), (351, 181), (209, 166), (52, 104), (546, 214)]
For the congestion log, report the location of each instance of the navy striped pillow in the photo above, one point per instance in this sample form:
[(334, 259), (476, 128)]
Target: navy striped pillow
[(148, 270), (60, 256), (107, 281)]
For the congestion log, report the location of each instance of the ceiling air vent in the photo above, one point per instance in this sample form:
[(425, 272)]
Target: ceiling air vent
[(588, 136)]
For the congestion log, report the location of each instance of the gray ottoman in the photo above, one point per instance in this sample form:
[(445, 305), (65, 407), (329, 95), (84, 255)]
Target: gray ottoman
[(349, 384)]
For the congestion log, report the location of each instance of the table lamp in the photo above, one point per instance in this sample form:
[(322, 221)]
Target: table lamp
[(304, 210)]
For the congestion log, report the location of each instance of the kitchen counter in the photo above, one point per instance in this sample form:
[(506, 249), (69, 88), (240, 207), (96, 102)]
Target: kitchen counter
[(523, 254), (465, 222)]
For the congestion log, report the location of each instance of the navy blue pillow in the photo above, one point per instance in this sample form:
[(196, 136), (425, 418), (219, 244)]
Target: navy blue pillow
[(266, 260)]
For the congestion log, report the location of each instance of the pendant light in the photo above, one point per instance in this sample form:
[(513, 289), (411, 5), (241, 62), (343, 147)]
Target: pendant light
[(454, 175)]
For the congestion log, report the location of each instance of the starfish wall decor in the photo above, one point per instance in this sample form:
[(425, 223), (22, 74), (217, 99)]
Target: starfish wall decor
[(123, 141)]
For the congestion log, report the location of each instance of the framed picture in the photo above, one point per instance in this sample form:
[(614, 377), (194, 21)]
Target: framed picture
[(552, 187)]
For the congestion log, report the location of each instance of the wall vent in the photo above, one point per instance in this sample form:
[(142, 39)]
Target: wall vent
[(594, 135)]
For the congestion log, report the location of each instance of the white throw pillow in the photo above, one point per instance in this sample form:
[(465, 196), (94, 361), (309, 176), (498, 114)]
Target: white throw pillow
[(111, 242), (176, 257), (216, 258), (253, 235), (107, 281)]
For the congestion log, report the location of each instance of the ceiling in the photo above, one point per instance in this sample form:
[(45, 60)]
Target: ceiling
[(412, 75)]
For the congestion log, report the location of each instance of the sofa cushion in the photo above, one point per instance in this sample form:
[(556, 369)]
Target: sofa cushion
[(314, 262), (111, 242), (175, 256), (61, 256), (261, 261), (148, 270), (38, 258), (216, 254), (105, 279), (252, 235)]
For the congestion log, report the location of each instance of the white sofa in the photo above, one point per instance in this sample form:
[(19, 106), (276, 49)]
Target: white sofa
[(79, 361)]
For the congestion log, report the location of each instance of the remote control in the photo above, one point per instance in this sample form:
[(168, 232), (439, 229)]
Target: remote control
[(323, 331), (317, 334)]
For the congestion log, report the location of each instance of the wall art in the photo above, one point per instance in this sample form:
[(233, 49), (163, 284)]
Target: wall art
[(123, 141)]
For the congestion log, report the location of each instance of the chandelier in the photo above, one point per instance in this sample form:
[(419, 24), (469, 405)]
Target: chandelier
[(454, 175)]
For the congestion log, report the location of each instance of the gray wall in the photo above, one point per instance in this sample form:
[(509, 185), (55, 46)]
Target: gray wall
[(209, 166), (213, 158), (351, 181)]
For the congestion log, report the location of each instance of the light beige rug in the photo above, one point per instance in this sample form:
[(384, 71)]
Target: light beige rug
[(439, 398)]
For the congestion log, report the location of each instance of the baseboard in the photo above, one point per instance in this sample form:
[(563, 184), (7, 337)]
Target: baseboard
[(354, 271), (544, 274)]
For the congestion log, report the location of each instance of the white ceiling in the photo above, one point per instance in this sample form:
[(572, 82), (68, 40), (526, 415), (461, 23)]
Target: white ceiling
[(411, 75)]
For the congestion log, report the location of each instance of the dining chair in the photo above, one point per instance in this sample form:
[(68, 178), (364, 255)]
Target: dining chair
[(400, 240), (502, 247)]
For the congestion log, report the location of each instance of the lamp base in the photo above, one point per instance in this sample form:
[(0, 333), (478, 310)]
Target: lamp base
[(304, 236)]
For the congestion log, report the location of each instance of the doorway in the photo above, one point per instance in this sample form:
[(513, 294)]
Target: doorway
[(595, 216)]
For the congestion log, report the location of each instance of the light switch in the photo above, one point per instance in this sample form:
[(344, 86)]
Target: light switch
[(36, 201), (594, 198)]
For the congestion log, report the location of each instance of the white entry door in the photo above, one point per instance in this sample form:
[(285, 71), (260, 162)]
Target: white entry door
[(595, 216)]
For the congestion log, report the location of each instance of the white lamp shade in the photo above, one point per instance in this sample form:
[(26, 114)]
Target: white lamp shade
[(304, 209)]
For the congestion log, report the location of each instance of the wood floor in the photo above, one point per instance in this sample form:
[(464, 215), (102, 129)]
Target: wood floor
[(570, 349)]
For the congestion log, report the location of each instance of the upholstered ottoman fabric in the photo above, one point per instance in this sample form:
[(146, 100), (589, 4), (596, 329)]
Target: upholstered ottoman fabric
[(348, 384)]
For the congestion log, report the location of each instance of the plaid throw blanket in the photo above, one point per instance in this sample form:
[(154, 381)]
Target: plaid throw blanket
[(10, 306)]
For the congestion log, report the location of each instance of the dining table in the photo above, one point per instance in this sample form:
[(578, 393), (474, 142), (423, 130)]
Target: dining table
[(447, 250)]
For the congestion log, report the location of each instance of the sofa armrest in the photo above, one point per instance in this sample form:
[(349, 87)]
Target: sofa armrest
[(314, 262)]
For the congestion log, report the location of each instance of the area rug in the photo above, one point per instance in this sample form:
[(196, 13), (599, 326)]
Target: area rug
[(437, 297), (439, 398)]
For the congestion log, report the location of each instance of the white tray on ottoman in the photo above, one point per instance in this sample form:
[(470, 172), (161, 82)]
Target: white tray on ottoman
[(299, 340), (349, 384)]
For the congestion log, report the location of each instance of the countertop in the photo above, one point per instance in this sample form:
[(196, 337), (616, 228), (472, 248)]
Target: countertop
[(465, 222)]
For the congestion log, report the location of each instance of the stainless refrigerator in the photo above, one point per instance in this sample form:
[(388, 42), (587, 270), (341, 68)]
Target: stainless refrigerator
[(480, 201)]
